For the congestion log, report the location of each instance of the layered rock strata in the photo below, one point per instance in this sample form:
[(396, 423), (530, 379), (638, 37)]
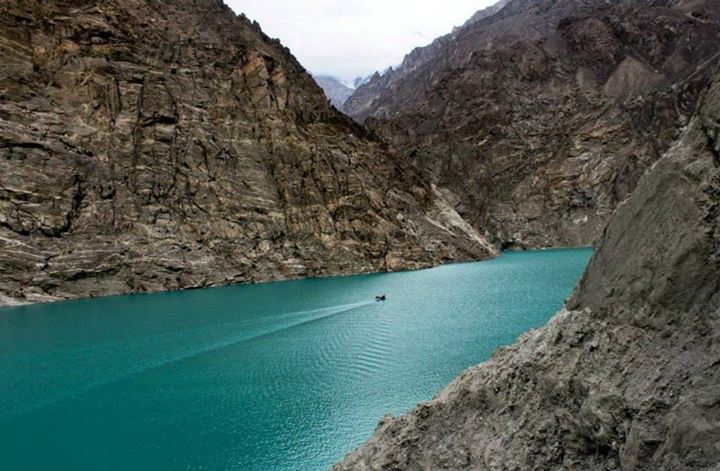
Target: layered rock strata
[(149, 145)]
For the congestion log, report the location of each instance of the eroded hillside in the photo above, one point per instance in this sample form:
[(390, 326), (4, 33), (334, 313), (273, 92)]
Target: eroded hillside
[(551, 111), (149, 145), (628, 376)]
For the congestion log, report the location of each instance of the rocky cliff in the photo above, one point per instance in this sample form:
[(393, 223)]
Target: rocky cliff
[(628, 376), (550, 110), (336, 91), (151, 145), (368, 98)]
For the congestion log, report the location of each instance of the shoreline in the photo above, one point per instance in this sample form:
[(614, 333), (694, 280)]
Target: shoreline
[(7, 302)]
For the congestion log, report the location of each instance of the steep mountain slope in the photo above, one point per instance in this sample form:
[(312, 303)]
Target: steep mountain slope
[(550, 110), (361, 80), (628, 377), (151, 145), (366, 99), (336, 92)]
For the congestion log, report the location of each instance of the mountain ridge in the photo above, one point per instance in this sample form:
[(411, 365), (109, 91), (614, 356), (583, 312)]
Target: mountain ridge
[(148, 146), (336, 91), (626, 376), (535, 91)]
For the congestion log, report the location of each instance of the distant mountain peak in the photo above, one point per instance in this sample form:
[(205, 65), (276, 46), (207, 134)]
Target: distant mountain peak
[(336, 90)]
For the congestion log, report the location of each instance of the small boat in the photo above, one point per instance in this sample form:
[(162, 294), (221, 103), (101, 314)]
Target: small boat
[(380, 298)]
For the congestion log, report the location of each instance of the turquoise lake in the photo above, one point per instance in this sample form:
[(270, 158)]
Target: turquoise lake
[(281, 376)]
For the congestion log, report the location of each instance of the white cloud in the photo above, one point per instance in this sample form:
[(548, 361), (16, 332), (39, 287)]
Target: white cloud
[(347, 38)]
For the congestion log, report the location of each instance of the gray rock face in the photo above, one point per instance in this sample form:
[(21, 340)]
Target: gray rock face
[(550, 110), (150, 145), (628, 376), (336, 91), (367, 99)]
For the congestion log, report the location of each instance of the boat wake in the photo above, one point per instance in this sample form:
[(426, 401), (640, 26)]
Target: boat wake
[(133, 356)]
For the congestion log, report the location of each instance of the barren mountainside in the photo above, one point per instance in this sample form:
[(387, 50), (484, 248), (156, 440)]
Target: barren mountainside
[(149, 145), (627, 377), (365, 100), (336, 91), (551, 110)]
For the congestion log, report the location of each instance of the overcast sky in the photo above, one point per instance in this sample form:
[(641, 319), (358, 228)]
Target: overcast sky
[(351, 38)]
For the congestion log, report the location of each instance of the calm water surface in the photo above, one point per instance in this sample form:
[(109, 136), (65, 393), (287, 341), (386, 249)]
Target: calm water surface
[(283, 376)]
